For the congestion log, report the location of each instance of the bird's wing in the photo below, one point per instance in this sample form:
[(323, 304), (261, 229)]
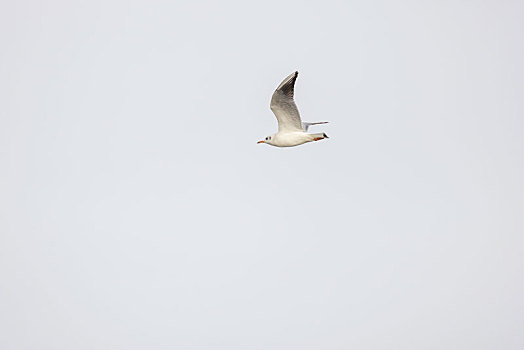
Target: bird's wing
[(306, 125), (284, 107)]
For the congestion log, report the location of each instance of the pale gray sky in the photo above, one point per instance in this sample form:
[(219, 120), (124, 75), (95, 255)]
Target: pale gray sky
[(138, 212)]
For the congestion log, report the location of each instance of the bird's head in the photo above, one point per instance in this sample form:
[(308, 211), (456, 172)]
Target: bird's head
[(268, 140)]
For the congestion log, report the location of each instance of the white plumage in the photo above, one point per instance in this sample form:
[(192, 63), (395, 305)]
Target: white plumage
[(291, 130)]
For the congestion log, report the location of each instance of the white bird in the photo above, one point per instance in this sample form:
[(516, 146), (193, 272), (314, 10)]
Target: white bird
[(291, 130)]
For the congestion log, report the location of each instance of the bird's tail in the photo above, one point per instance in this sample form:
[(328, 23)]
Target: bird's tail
[(306, 125), (319, 136)]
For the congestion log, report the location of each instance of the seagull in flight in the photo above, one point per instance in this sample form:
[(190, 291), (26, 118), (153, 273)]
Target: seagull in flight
[(291, 130)]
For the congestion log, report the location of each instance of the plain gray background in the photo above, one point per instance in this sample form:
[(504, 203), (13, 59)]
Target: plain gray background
[(138, 212)]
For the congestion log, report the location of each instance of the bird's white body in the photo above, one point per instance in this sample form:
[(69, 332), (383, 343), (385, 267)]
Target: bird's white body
[(291, 130), (294, 138)]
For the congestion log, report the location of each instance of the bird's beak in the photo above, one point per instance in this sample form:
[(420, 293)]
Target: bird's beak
[(260, 142)]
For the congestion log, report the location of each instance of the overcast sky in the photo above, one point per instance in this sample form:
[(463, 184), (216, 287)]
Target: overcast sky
[(137, 210)]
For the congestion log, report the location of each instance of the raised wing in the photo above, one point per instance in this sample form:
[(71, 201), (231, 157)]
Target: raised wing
[(284, 107)]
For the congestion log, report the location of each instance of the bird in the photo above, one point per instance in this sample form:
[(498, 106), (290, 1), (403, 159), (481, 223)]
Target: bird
[(291, 130)]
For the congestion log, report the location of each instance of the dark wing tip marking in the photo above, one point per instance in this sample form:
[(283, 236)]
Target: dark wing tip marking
[(288, 87)]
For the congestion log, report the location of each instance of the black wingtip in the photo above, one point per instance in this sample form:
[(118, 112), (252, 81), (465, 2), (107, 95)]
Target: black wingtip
[(288, 85), (325, 136)]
